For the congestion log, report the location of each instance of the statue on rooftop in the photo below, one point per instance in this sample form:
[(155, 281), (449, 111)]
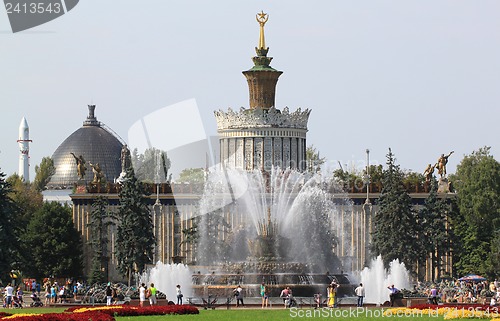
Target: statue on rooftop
[(429, 171), (441, 164), (80, 165), (126, 159), (98, 175)]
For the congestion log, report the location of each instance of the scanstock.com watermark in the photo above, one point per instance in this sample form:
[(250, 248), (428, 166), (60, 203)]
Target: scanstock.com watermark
[(353, 312), (24, 14)]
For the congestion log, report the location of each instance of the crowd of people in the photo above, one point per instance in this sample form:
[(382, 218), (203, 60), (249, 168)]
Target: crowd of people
[(13, 297), (52, 293), (456, 291), (446, 291), (289, 301)]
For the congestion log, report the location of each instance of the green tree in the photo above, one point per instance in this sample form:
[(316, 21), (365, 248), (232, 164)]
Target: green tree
[(210, 246), (53, 244), (192, 176), (8, 230), (433, 233), (151, 166), (135, 239), (43, 173), (190, 237), (413, 181), (376, 174), (27, 199), (313, 160), (477, 181), (348, 180), (394, 223), (100, 221)]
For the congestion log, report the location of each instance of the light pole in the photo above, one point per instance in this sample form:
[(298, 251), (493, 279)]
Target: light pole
[(157, 207), (367, 209), (367, 176)]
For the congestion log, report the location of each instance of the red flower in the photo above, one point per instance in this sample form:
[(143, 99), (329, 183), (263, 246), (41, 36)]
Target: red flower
[(126, 310)]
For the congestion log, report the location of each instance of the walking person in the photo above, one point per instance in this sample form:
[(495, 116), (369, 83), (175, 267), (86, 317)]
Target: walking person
[(335, 286), (152, 294), (264, 295), (360, 292), (53, 293), (330, 295), (75, 291), (179, 294), (9, 292), (239, 296), (433, 293), (142, 294), (19, 295), (47, 293), (109, 294)]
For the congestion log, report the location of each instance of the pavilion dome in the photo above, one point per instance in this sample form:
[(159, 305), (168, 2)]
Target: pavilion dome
[(96, 144)]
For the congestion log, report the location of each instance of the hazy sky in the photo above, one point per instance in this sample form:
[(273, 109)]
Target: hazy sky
[(421, 77)]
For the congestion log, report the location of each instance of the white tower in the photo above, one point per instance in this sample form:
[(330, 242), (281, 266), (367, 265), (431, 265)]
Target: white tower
[(24, 150)]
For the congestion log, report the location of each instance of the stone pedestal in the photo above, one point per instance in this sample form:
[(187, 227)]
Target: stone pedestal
[(443, 185)]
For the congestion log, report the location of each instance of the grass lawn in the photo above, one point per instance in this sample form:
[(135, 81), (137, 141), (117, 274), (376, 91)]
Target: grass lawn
[(221, 314), (278, 315)]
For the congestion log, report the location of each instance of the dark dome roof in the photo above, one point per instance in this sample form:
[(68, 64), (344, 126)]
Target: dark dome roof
[(96, 145)]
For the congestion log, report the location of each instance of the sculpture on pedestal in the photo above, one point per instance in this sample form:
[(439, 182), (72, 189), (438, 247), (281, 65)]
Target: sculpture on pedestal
[(443, 183), (98, 175), (441, 164), (80, 165), (126, 162), (429, 172)]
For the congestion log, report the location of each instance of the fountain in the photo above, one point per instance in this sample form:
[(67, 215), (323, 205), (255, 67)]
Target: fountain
[(167, 276), (376, 279), (275, 227)]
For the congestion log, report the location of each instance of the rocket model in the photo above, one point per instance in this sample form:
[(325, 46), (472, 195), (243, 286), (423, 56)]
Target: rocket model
[(24, 150)]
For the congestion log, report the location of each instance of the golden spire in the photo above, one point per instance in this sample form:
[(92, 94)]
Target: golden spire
[(262, 19)]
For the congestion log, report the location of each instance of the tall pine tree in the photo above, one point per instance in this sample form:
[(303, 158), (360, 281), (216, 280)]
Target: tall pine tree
[(394, 223), (135, 239), (433, 233), (100, 221), (8, 230)]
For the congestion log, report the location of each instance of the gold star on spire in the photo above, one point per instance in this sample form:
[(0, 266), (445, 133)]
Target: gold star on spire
[(262, 19)]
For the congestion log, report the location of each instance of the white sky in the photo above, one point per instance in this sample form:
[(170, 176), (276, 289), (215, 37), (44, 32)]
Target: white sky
[(419, 76)]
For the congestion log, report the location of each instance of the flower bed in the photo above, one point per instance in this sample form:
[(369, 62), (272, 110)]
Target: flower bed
[(454, 306), (124, 310), (104, 313), (94, 316)]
